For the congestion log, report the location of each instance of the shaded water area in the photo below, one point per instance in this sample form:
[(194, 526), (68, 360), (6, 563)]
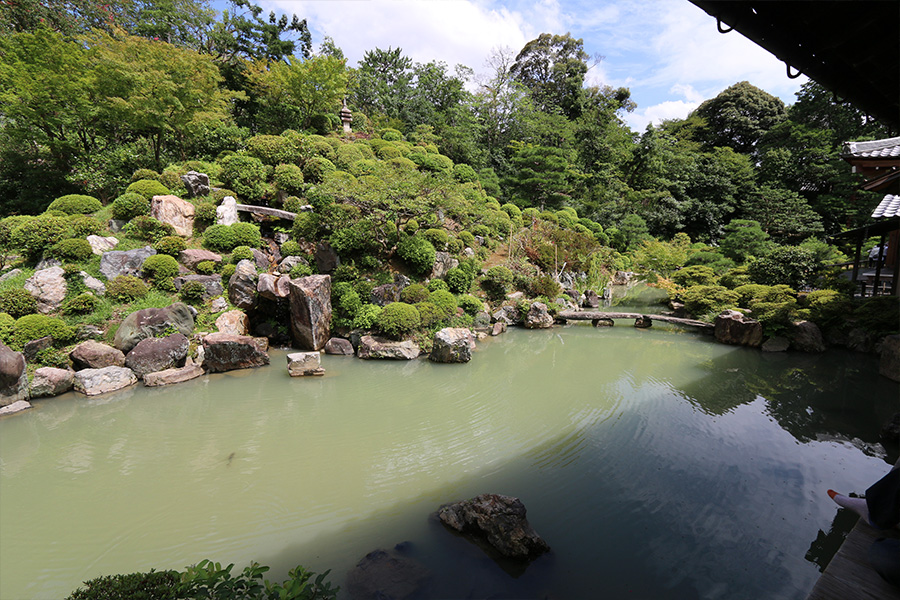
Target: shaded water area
[(656, 463)]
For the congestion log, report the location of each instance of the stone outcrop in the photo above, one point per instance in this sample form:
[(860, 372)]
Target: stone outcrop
[(452, 345), (387, 574), (242, 285), (304, 364), (497, 520), (234, 322), (92, 354), (603, 322), (622, 278), (732, 327), (889, 363), (93, 284), (50, 381), (498, 328), (124, 262), (805, 336), (17, 406), (176, 212), (260, 259), (196, 184), (383, 295), (591, 299), (443, 262), (100, 244), (152, 322), (327, 259), (157, 354), (227, 213), (289, 262), (9, 274), (538, 317), (272, 287), (48, 286), (194, 256), (32, 348), (339, 346), (311, 311), (13, 376), (371, 347), (643, 322), (226, 352), (776, 344), (92, 382), (212, 284), (508, 314), (173, 376)]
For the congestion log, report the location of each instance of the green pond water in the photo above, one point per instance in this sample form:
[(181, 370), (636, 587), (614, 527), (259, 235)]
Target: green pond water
[(656, 463)]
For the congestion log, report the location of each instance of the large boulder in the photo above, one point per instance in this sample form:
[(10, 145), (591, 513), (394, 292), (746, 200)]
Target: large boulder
[(733, 327), (889, 364), (387, 574), (100, 244), (92, 354), (507, 314), (591, 299), (304, 364), (152, 322), (622, 278), (452, 345), (9, 274), (311, 311), (196, 184), (157, 354), (235, 322), (383, 295), (339, 346), (376, 347), (443, 262), (17, 406), (124, 262), (226, 352), (92, 382), (173, 376), (48, 286), (289, 262), (34, 347), (92, 283), (212, 284), (272, 287), (497, 520), (806, 337), (327, 259), (50, 381), (194, 256), (227, 212), (538, 317), (242, 285), (176, 212), (13, 376)]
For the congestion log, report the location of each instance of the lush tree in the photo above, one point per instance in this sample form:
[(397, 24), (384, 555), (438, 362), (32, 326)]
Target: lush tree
[(553, 68), (541, 176), (739, 116), (783, 214), (383, 82), (743, 239)]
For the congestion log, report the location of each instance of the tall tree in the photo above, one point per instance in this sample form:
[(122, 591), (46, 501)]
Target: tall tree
[(553, 68), (739, 116)]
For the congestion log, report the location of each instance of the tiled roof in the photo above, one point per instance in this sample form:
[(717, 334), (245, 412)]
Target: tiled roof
[(888, 148), (889, 207)]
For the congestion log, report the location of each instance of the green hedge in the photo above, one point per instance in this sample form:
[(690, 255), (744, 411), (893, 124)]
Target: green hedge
[(76, 204)]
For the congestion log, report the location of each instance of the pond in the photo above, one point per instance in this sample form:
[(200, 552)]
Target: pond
[(656, 463)]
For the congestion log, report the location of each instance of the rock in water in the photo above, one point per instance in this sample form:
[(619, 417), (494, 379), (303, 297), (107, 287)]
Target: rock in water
[(226, 352), (13, 376), (806, 337), (538, 317), (311, 311), (732, 327), (339, 346), (50, 381), (150, 322), (304, 364), (889, 363), (376, 347), (92, 382), (452, 345), (498, 520), (386, 574), (157, 354), (95, 355)]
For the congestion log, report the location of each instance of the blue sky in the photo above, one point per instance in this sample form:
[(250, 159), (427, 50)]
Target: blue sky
[(668, 52)]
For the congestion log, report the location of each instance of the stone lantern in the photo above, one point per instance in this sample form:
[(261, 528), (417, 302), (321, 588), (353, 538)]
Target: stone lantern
[(346, 116)]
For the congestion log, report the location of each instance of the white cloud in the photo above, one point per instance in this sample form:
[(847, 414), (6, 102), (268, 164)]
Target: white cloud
[(670, 109)]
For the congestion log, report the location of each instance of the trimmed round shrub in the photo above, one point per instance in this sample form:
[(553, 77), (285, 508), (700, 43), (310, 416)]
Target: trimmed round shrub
[(241, 253), (289, 178), (694, 275), (84, 225), (455, 246), (790, 265), (437, 284), (72, 249), (38, 234), (291, 248), (218, 237), (148, 188), (459, 280), (411, 227), (144, 174), (205, 213), (18, 302), (172, 180), (429, 313), (418, 253), (445, 301), (217, 195), (292, 204), (467, 238), (227, 271), (496, 282), (274, 149), (415, 293), (130, 205), (707, 300), (245, 174), (246, 234), (470, 304), (300, 270), (205, 267), (391, 135), (398, 319), (148, 229), (33, 327), (192, 292), (388, 151), (76, 204), (7, 323), (437, 237), (80, 305), (366, 316), (160, 267), (463, 173), (403, 163), (7, 225), (317, 169), (348, 154), (126, 288), (171, 245), (306, 226)]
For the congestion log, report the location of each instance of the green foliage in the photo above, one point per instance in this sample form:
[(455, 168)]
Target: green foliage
[(429, 313), (437, 237), (75, 250), (227, 271), (148, 188), (7, 324), (878, 315), (467, 238), (317, 169), (391, 135), (148, 229), (76, 204), (827, 307), (33, 236), (241, 253), (418, 253), (300, 270), (171, 245), (140, 174), (744, 239), (292, 204), (445, 301), (739, 117), (752, 294), (204, 213), (161, 268), (463, 173), (437, 284), (459, 280), (80, 304), (192, 292), (662, 257), (276, 149), (291, 248), (219, 238), (708, 300), (544, 285), (17, 302), (470, 304), (155, 585), (289, 178), (415, 293), (130, 205), (306, 226), (126, 288), (496, 282), (206, 267), (209, 580), (735, 277), (695, 275), (357, 239), (84, 225), (367, 316), (398, 319), (790, 265), (244, 174), (32, 327)]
